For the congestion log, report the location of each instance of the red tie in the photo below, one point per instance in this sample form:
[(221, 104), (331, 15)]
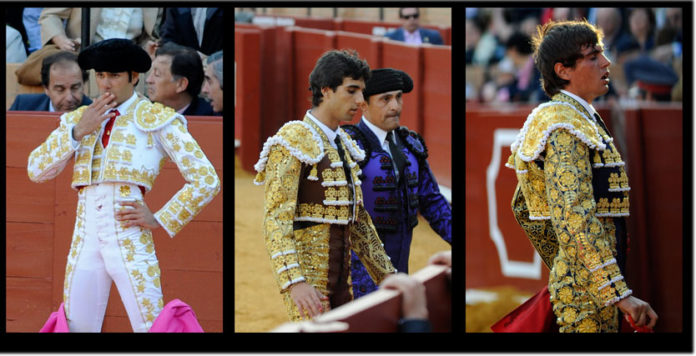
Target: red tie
[(107, 129)]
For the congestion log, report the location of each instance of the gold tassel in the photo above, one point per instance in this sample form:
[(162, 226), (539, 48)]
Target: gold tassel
[(597, 158), (313, 173)]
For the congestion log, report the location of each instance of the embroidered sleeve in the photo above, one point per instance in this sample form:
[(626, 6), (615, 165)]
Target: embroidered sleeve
[(50, 158), (580, 233), (202, 182), (367, 245), (281, 186), (433, 205)]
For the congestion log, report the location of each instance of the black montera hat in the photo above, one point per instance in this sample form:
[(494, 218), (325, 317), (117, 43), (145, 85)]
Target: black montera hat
[(387, 79), (115, 55)]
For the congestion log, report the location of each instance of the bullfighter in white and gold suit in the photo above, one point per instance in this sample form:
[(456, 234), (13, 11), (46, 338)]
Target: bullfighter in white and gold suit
[(314, 213), (118, 154)]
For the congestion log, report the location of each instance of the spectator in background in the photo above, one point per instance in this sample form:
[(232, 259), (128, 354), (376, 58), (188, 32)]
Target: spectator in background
[(641, 22), (244, 14), (411, 32), (616, 39), (212, 86), (137, 24), (200, 28), (521, 77), (176, 79), (30, 19), (63, 81), (650, 80), (15, 52)]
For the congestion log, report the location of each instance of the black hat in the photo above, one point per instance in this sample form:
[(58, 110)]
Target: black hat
[(386, 79), (115, 55)]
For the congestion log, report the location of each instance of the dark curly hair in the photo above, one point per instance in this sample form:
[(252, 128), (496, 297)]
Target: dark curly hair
[(561, 42), (332, 67)]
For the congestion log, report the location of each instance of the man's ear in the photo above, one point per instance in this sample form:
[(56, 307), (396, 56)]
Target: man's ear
[(182, 84), (562, 71)]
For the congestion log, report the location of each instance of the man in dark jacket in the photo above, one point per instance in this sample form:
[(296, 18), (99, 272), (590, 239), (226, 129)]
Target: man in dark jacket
[(397, 182), (63, 83), (176, 78), (411, 32)]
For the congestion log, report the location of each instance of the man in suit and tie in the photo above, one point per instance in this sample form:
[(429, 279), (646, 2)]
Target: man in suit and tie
[(176, 78), (63, 81), (197, 27), (411, 32)]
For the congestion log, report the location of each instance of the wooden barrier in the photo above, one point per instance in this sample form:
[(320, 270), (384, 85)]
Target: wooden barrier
[(40, 220), (380, 310), (650, 140), (247, 94)]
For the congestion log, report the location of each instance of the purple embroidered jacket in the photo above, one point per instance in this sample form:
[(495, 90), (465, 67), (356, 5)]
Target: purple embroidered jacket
[(394, 204)]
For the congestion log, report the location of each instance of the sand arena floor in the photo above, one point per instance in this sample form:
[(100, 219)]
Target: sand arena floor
[(258, 305)]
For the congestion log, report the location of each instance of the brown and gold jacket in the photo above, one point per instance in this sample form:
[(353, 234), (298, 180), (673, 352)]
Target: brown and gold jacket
[(305, 183)]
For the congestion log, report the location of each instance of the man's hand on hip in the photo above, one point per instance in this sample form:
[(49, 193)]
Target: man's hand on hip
[(139, 215)]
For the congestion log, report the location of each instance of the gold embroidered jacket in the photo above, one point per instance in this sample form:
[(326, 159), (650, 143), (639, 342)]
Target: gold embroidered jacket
[(142, 139), (297, 159), (571, 184)]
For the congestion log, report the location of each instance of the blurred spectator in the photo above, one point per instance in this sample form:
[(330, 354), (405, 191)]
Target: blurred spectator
[(212, 86), (411, 32), (137, 24), (641, 22), (176, 78), (30, 19), (244, 14), (15, 52), (200, 28), (616, 39), (649, 79), (63, 83), (486, 50)]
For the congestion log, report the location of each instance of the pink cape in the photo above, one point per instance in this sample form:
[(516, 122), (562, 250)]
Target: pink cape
[(176, 317)]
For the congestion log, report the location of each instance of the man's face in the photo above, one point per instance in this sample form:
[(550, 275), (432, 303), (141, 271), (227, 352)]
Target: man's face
[(589, 79), (211, 89), (161, 86), (344, 102), (384, 110), (117, 84), (65, 86), (409, 17)]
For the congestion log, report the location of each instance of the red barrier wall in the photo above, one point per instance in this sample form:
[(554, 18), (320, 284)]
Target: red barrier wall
[(288, 55), (247, 93), (40, 220), (653, 153)]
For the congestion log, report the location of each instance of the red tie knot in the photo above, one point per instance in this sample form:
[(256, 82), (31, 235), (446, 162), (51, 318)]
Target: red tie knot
[(115, 112)]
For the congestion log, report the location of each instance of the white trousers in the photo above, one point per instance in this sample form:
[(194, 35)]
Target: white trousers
[(103, 251)]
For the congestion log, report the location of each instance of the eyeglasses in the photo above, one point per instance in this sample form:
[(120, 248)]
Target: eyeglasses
[(406, 17)]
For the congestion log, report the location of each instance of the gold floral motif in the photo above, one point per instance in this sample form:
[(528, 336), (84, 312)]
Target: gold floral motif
[(588, 325)]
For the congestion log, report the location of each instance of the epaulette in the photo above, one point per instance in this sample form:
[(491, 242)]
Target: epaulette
[(355, 151), (301, 141), (74, 116), (547, 117), (360, 140), (414, 142), (153, 116)]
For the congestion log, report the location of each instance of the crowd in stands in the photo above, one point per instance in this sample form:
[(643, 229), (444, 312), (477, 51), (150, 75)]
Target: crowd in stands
[(181, 42), (643, 44)]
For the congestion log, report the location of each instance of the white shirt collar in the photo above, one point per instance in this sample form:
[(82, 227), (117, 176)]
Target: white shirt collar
[(124, 105), (381, 134), (330, 134), (582, 102), (50, 106)]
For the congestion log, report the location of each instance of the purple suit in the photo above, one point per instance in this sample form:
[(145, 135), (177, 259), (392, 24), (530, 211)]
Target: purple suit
[(394, 204)]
